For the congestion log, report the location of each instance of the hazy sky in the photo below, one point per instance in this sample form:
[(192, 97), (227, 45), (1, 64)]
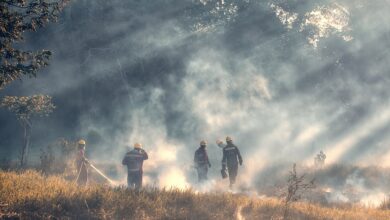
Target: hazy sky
[(285, 79)]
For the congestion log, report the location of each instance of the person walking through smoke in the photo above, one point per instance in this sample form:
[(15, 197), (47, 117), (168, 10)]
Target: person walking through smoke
[(319, 160), (230, 160), (81, 164), (220, 144), (134, 161), (201, 161)]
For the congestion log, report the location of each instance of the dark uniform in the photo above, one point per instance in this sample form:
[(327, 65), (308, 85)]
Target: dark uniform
[(202, 163), (231, 158), (82, 171), (134, 160)]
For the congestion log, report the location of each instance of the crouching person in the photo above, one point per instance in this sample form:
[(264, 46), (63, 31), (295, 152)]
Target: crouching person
[(134, 160)]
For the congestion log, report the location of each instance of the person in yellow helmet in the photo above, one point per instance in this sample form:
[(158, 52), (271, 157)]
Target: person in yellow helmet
[(201, 161), (134, 160), (81, 164), (230, 160), (220, 144)]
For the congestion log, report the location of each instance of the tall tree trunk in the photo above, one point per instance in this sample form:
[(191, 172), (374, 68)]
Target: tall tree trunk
[(26, 143)]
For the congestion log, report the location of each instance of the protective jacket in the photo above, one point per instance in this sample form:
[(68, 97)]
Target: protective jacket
[(231, 156), (134, 160), (82, 171), (202, 163), (201, 158)]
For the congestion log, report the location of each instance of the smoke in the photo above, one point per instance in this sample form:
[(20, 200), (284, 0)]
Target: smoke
[(285, 79), (173, 177), (360, 185)]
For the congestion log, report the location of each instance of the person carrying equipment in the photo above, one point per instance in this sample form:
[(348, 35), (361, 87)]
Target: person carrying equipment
[(220, 144), (134, 160), (201, 161), (230, 160), (81, 164)]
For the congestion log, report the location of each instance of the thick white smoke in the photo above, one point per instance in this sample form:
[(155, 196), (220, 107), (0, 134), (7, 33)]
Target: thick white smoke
[(285, 82)]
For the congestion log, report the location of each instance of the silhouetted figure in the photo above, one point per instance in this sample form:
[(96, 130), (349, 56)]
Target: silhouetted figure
[(319, 160), (230, 160), (134, 161), (201, 161), (82, 164)]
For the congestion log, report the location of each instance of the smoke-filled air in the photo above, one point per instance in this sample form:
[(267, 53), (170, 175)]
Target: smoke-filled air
[(297, 91)]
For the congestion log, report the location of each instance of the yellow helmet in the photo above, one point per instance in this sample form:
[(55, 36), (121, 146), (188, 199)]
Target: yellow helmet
[(229, 139), (137, 145), (203, 143), (81, 142)]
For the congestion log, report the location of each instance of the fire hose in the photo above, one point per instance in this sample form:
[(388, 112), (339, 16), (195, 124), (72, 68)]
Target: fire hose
[(102, 174), (97, 170)]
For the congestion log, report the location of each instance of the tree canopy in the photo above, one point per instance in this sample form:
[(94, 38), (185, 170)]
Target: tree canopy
[(17, 17), (24, 107)]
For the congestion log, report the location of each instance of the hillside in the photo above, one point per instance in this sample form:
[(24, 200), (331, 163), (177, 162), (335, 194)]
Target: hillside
[(29, 195)]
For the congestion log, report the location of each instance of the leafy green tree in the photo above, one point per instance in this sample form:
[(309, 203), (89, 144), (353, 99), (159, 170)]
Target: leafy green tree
[(25, 108), (17, 17)]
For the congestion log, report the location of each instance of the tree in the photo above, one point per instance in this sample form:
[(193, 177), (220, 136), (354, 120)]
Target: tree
[(25, 108), (296, 186), (17, 17), (59, 158)]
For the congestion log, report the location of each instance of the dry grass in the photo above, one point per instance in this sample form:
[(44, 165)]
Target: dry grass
[(29, 195)]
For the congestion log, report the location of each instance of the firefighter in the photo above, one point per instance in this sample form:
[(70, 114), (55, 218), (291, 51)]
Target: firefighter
[(134, 161), (201, 161), (319, 160), (230, 160), (221, 145), (81, 164)]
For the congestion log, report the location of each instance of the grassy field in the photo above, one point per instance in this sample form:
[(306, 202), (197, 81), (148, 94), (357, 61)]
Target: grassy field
[(29, 195)]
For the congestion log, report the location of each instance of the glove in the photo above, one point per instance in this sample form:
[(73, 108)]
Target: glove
[(241, 163), (209, 165)]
